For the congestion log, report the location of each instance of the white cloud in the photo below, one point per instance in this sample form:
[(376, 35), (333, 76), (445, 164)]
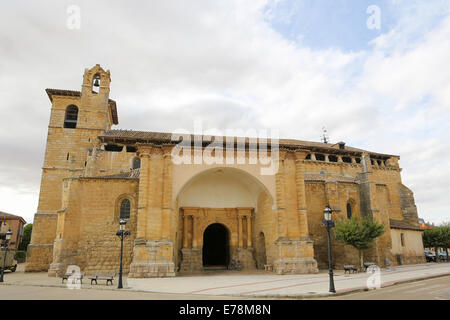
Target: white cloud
[(176, 61)]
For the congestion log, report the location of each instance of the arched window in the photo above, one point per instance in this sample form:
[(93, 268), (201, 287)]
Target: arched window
[(70, 120), (349, 210), (136, 163), (125, 209)]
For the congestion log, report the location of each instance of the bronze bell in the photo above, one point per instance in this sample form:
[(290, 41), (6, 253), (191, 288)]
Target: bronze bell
[(96, 84)]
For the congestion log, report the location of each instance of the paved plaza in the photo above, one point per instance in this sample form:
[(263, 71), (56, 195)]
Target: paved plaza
[(256, 284)]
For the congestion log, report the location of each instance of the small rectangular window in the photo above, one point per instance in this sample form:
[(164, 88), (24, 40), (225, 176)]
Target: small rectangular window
[(113, 148), (347, 159), (320, 157), (402, 239)]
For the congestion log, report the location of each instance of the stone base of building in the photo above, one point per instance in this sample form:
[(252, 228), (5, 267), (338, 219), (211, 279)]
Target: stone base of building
[(401, 259), (294, 256), (295, 266), (152, 270), (57, 269), (191, 260), (152, 259), (39, 257), (245, 256)]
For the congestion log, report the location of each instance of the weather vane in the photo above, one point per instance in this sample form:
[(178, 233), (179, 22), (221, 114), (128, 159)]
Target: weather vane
[(325, 138)]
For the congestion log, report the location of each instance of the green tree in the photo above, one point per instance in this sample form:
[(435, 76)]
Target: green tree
[(438, 237), (26, 237), (445, 236), (428, 238), (360, 234)]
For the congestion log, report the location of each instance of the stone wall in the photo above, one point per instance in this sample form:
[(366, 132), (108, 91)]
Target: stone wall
[(265, 231), (102, 163), (408, 205), (40, 249), (317, 199), (411, 251), (86, 232)]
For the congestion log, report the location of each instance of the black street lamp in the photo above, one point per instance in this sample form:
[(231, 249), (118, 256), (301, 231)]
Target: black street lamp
[(121, 234), (5, 244), (328, 223)]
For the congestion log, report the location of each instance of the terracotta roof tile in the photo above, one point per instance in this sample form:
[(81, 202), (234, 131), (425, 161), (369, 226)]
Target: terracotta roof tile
[(164, 137), (8, 216), (399, 224)]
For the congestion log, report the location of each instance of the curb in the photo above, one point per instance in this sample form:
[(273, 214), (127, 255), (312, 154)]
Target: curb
[(344, 291), (288, 296), (389, 284)]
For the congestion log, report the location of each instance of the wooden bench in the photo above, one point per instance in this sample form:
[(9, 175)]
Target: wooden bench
[(368, 264), (76, 276), (97, 276), (350, 268), (268, 267)]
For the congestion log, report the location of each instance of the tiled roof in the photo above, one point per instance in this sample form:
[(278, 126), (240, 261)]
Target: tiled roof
[(9, 216), (73, 93), (133, 136), (398, 224)]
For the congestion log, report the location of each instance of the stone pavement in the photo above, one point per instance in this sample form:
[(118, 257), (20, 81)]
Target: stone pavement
[(257, 284)]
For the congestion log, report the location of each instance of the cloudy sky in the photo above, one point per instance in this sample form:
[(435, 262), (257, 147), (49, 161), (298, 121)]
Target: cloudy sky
[(295, 66)]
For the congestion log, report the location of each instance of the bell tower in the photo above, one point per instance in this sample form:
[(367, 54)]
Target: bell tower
[(95, 98), (77, 118)]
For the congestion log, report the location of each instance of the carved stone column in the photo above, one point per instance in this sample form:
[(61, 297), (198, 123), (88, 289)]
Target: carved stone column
[(244, 252), (280, 194), (249, 231), (191, 254), (144, 155), (167, 193), (194, 243), (185, 231), (240, 236)]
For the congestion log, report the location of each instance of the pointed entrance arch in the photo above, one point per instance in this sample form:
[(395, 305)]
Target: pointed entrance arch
[(216, 246)]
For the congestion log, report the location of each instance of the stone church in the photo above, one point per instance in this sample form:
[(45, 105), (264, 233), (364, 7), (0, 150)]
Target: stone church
[(188, 217)]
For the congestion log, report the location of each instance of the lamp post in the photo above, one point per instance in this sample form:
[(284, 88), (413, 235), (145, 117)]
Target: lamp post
[(329, 223), (5, 244), (121, 234)]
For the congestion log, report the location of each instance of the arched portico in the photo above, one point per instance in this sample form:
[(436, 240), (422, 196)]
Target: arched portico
[(226, 196), (184, 175)]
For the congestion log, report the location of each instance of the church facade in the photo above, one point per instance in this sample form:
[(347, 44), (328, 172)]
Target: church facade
[(188, 216)]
